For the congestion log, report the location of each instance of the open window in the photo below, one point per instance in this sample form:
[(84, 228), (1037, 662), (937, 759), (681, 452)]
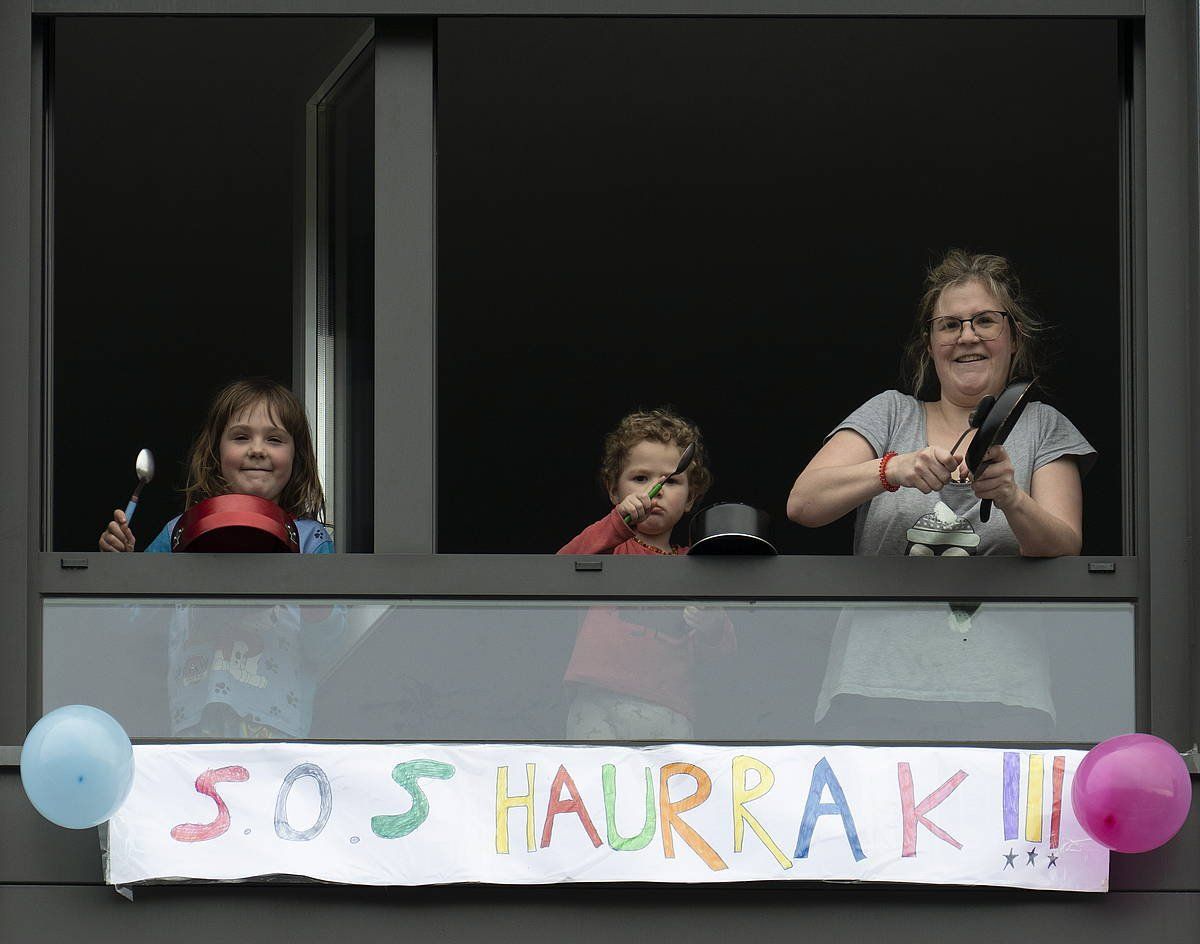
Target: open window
[(684, 215), (735, 217), (179, 246)]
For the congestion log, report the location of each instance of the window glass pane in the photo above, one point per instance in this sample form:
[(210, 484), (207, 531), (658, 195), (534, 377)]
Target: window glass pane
[(342, 395), (179, 174), (490, 670), (735, 217)]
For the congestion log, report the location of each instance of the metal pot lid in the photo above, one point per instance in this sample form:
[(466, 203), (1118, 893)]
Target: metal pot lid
[(731, 528)]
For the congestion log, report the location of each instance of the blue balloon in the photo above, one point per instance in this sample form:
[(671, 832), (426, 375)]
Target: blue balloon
[(77, 766)]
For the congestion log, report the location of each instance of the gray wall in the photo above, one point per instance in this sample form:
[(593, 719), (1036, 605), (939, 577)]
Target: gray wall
[(49, 878)]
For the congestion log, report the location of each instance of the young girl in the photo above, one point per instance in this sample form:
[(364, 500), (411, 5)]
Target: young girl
[(634, 680), (255, 441), (248, 671)]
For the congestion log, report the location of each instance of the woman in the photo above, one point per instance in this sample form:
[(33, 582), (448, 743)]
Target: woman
[(894, 459)]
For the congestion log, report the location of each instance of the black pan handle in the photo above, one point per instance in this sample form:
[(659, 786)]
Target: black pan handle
[(985, 507)]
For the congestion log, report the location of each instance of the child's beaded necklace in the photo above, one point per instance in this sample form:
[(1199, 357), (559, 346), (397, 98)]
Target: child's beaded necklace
[(657, 550)]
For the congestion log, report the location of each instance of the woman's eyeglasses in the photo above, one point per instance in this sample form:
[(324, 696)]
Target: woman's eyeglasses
[(987, 325)]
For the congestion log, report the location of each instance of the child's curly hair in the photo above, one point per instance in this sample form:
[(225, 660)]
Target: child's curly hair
[(661, 425), (302, 497)]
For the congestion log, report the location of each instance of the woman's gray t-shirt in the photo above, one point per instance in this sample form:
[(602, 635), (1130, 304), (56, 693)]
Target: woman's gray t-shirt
[(895, 422), (927, 652)]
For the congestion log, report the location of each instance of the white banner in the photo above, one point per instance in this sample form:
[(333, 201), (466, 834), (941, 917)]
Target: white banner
[(417, 814)]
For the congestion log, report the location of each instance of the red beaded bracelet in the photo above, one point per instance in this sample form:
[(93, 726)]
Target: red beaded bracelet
[(888, 486)]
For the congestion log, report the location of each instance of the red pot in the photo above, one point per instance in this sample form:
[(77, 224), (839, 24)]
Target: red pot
[(235, 524)]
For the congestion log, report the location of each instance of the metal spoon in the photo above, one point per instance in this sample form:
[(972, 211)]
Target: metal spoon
[(684, 461), (144, 467)]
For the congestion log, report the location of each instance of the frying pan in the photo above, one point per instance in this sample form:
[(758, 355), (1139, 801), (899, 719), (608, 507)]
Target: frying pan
[(995, 417), (731, 528), (235, 524)]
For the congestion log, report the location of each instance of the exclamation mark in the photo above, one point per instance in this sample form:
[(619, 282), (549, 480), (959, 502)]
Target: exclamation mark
[(1056, 812), (1012, 793), (1033, 800)]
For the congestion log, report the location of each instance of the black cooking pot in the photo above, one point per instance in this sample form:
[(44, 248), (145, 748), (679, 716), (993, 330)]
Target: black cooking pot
[(731, 528)]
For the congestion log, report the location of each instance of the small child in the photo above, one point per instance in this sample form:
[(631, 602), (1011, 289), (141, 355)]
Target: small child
[(632, 681), (247, 672)]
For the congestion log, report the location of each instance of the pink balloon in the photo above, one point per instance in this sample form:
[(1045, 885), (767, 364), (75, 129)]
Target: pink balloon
[(1131, 793)]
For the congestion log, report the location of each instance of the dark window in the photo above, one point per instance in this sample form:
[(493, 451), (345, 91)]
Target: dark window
[(178, 186), (735, 217)]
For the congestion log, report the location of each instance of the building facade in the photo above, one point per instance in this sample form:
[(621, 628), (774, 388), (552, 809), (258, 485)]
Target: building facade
[(423, 217)]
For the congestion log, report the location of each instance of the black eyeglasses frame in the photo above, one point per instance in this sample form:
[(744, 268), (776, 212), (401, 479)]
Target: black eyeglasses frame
[(962, 322)]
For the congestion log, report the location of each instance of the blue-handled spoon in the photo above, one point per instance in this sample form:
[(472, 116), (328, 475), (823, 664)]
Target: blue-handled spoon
[(145, 472)]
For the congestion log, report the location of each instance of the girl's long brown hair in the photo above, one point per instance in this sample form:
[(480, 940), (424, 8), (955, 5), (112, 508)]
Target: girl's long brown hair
[(302, 497)]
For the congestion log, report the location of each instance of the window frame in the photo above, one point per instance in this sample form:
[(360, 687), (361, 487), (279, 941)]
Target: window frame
[(1159, 299), (318, 319)]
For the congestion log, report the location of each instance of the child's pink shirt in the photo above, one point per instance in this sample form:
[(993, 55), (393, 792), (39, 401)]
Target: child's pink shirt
[(629, 658)]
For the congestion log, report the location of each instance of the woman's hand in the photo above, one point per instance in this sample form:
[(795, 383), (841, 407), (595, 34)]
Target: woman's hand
[(927, 471), (998, 481), (117, 536), (636, 507)]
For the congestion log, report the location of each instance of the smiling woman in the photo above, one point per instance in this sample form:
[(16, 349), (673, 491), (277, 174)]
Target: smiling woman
[(897, 450), (898, 460)]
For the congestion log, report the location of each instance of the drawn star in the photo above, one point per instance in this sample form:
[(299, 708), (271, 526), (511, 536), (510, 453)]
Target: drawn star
[(1053, 861), (1008, 860), (1032, 853)]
